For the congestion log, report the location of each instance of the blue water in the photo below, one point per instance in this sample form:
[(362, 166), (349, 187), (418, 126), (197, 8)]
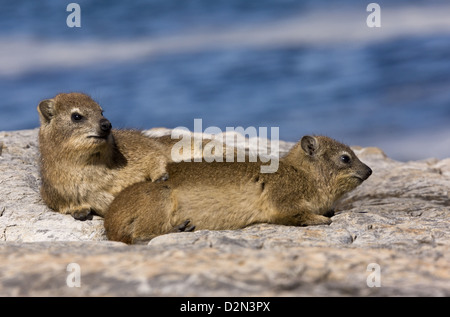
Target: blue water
[(393, 93)]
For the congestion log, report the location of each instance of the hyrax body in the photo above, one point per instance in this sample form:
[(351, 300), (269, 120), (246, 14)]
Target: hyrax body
[(84, 163), (303, 191)]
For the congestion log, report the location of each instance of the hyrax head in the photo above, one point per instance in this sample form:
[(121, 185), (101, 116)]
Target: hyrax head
[(335, 162), (74, 120)]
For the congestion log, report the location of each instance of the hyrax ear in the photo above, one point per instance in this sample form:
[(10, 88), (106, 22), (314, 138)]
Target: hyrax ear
[(309, 144), (46, 110)]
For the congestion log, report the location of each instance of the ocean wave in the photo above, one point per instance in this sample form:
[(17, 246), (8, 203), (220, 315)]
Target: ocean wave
[(21, 55)]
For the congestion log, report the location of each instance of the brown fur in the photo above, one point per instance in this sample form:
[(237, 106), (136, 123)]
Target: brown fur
[(84, 164), (216, 196)]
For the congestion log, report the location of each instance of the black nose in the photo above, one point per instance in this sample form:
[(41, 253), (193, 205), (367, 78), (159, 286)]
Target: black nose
[(105, 125), (368, 172)]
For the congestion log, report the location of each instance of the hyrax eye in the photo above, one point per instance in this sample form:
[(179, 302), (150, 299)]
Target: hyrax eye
[(345, 159), (76, 117)]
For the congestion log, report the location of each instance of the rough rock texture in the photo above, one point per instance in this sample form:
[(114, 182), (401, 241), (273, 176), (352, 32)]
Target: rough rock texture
[(23, 215), (396, 224)]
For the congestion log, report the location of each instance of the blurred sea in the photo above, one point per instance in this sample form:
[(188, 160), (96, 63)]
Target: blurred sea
[(307, 67)]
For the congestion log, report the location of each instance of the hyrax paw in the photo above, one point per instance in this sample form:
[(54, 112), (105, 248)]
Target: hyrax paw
[(163, 178), (321, 220), (317, 220), (82, 214), (184, 227)]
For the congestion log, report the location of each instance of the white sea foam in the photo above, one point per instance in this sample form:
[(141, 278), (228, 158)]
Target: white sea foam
[(334, 27)]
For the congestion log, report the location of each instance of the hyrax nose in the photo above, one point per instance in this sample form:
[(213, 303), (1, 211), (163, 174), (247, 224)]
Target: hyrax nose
[(105, 125), (368, 172)]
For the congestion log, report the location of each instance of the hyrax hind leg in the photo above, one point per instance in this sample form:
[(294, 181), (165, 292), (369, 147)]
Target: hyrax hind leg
[(141, 212), (82, 212), (184, 227)]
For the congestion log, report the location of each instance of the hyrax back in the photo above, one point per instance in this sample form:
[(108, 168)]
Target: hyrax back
[(303, 191), (84, 163)]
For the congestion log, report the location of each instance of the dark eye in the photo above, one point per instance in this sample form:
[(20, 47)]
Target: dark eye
[(345, 159), (76, 117)]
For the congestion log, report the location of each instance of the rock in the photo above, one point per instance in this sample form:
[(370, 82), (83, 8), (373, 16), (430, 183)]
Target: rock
[(24, 216), (393, 229)]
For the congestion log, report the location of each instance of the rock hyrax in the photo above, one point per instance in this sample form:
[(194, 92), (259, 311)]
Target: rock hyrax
[(310, 179), (84, 163)]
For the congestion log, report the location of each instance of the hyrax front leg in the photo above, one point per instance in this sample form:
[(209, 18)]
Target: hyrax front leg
[(158, 169), (299, 216), (162, 178), (315, 220)]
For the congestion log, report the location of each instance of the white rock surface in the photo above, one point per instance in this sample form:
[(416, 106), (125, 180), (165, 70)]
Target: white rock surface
[(398, 219)]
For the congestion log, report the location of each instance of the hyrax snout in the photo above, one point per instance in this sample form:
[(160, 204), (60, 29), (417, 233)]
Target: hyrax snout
[(105, 127), (309, 181), (84, 163)]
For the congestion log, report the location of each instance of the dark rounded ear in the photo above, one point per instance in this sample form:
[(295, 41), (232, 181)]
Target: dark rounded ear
[(309, 145), (46, 110)]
